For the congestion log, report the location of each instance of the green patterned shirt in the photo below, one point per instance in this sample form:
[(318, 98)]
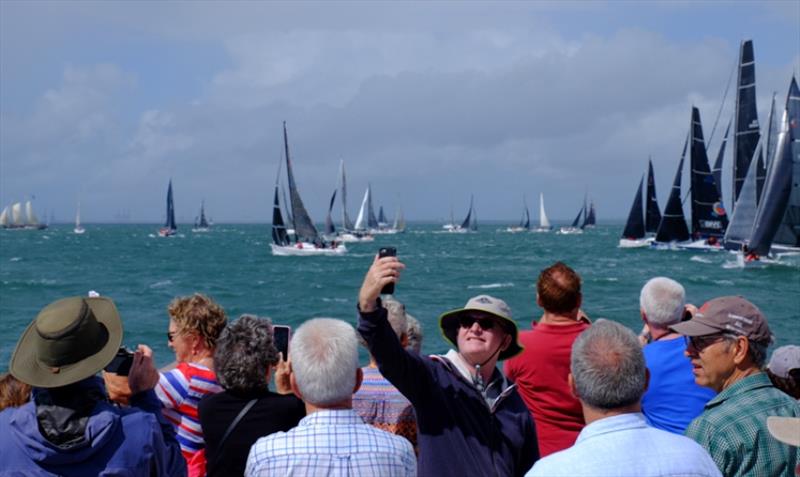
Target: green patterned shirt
[(733, 429)]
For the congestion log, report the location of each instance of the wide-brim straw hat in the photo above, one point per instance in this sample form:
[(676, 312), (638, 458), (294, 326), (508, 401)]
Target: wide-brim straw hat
[(448, 322), (70, 340)]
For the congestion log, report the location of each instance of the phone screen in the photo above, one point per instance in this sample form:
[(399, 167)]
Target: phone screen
[(281, 334)]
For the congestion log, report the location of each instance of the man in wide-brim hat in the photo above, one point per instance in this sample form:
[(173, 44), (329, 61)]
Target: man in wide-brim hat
[(69, 427), (471, 419)]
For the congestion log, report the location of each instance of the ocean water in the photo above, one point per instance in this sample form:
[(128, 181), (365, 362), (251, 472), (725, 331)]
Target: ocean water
[(233, 264)]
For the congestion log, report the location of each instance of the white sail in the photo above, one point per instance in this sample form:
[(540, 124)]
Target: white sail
[(543, 222), (4, 217), (78, 229), (32, 219), (362, 212), (16, 214)]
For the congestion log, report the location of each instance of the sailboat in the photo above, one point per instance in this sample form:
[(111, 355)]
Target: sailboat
[(590, 219), (348, 232), (200, 222), (709, 219), (78, 229), (754, 226), (574, 229), (169, 229), (468, 224), (788, 235), (672, 229), (13, 217), (544, 223), (307, 239), (524, 222)]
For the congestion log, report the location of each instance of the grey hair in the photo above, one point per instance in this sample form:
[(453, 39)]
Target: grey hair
[(324, 354), (414, 333), (756, 349), (245, 351), (396, 314), (663, 301), (608, 366)]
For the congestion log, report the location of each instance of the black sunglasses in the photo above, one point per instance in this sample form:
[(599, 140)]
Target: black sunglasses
[(466, 321), (171, 335), (699, 343)]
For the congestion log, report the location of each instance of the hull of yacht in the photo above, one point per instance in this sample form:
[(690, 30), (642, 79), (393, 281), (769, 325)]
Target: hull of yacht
[(305, 249)]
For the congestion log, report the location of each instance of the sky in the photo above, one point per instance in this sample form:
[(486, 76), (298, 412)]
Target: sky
[(103, 103)]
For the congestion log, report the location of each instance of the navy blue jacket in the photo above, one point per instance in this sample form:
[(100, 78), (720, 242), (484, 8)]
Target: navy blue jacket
[(459, 434)]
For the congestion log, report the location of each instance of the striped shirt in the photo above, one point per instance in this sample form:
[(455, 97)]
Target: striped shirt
[(332, 443), (733, 429), (380, 404), (180, 390)]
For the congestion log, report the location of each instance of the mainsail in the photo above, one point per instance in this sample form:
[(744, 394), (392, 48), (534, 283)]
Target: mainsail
[(652, 212), (347, 224), (399, 221), (578, 217), (708, 214), (381, 217), (544, 223), (303, 227), (590, 220), (202, 221), (789, 230), (372, 222), (747, 128), (467, 223), (771, 135), (634, 226), (362, 212), (673, 223), (279, 235), (170, 222), (717, 170)]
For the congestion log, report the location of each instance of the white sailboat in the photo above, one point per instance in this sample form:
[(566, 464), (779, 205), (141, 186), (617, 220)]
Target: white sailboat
[(544, 222), (349, 233), (78, 228)]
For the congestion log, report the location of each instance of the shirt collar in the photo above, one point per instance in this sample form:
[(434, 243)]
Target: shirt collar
[(620, 422), (331, 417), (754, 381)]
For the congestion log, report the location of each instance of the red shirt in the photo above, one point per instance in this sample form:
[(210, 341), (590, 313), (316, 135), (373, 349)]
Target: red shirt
[(541, 375)]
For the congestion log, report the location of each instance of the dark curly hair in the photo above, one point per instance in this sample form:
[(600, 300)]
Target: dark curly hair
[(245, 351)]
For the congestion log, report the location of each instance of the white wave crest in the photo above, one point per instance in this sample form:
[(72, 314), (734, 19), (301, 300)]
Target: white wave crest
[(491, 285)]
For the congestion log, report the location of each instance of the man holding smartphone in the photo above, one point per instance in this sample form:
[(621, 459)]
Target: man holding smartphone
[(465, 407)]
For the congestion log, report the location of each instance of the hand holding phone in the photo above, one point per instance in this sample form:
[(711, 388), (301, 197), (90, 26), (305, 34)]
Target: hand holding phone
[(387, 289)]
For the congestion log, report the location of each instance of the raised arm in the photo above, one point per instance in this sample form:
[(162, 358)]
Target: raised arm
[(408, 372)]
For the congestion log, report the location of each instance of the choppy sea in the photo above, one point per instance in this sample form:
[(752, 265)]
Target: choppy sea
[(233, 264)]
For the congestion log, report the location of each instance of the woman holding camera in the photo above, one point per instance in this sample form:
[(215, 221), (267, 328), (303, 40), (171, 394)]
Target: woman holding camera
[(246, 410)]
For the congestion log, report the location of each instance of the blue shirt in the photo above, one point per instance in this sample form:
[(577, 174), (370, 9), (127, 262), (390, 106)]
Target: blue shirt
[(672, 399), (625, 446), (332, 443)]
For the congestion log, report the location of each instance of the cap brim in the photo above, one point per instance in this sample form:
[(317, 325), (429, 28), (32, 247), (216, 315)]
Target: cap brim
[(694, 327), (26, 366), (785, 429)]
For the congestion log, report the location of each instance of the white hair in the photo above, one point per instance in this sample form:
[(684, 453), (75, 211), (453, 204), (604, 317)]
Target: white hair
[(663, 301), (324, 354)]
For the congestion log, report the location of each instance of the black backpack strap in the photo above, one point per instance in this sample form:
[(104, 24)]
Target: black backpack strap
[(232, 425)]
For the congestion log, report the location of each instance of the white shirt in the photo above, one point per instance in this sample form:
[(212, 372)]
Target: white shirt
[(625, 446)]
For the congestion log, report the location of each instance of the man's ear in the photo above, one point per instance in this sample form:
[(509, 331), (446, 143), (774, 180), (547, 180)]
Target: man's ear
[(740, 350), (572, 388), (295, 389), (359, 379)]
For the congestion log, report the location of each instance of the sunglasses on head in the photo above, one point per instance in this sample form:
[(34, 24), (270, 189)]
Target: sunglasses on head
[(466, 321)]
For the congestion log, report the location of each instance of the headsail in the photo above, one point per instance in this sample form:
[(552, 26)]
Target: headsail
[(652, 212), (578, 217), (330, 229), (544, 223), (467, 223), (303, 226), (740, 229), (708, 214), (634, 226), (361, 218), (170, 222), (747, 127), (673, 223), (372, 222), (381, 217)]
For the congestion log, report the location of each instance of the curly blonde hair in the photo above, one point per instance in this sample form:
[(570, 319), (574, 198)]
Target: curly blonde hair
[(198, 314)]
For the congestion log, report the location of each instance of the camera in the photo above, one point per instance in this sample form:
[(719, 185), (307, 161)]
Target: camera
[(387, 289), (121, 364)]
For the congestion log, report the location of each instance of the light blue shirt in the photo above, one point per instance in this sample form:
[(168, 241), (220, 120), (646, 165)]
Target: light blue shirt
[(332, 443), (625, 446)]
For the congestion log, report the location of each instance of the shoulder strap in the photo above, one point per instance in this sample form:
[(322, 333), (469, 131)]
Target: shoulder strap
[(231, 426)]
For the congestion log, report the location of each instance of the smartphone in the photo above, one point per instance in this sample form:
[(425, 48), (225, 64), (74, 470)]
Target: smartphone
[(281, 335), (121, 364), (387, 289)]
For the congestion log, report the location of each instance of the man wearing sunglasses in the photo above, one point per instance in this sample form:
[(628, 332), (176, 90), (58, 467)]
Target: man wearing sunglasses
[(727, 341), (470, 418)]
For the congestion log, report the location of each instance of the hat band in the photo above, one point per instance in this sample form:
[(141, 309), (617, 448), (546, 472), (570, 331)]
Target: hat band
[(81, 339)]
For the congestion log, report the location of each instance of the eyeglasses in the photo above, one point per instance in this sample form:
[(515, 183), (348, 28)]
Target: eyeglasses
[(466, 321), (700, 343)]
